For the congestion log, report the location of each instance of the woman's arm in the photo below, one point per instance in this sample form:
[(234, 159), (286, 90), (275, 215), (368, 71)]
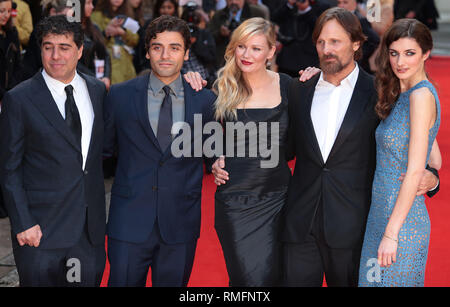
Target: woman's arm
[(422, 117)]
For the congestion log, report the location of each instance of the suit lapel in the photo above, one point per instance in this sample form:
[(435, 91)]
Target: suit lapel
[(42, 98), (305, 113), (356, 107), (141, 104)]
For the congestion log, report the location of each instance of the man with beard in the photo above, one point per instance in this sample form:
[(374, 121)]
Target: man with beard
[(333, 124)]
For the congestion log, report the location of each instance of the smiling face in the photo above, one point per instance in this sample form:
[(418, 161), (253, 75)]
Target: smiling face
[(167, 54), (335, 49), (60, 56), (406, 58), (252, 55), (5, 12)]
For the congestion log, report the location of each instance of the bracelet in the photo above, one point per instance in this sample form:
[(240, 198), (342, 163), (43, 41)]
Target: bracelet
[(395, 240)]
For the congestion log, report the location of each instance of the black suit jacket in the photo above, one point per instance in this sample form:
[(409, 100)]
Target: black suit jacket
[(344, 183), (41, 166)]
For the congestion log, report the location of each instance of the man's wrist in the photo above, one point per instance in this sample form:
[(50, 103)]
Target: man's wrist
[(435, 187), (435, 173)]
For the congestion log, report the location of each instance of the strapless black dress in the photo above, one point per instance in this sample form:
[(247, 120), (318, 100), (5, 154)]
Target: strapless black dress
[(247, 207)]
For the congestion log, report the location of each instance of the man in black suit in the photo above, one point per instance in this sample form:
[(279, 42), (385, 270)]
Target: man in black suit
[(332, 122), (51, 165)]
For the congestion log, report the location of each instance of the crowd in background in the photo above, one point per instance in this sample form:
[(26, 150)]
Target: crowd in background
[(114, 48)]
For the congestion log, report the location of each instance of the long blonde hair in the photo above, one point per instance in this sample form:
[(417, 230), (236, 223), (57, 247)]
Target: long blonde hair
[(231, 87)]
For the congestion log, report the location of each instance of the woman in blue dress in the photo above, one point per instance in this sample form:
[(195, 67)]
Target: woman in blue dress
[(398, 228)]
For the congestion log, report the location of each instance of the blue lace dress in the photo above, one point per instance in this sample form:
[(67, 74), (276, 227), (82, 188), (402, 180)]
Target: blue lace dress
[(392, 137)]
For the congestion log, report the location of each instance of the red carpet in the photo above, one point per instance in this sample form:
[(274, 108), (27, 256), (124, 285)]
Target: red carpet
[(209, 267)]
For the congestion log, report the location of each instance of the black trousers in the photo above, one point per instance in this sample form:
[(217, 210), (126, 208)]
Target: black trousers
[(305, 264), (171, 264), (81, 265)]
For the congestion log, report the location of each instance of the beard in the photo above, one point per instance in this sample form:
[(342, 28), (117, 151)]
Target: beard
[(332, 67)]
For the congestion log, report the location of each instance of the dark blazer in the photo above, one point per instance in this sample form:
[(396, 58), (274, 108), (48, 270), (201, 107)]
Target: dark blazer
[(344, 183), (151, 184), (41, 166)]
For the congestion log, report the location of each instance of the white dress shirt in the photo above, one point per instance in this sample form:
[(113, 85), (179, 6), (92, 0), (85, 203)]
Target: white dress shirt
[(83, 102), (328, 109)]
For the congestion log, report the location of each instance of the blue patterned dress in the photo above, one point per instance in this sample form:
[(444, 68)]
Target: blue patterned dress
[(392, 137)]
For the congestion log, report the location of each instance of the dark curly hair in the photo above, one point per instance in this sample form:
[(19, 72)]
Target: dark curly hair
[(167, 23), (387, 83), (59, 25)]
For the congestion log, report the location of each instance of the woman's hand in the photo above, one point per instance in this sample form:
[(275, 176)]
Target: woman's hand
[(387, 251), (308, 73), (220, 175), (114, 27), (195, 80)]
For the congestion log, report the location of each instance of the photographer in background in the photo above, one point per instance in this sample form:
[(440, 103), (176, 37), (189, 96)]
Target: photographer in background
[(226, 20), (202, 53), (296, 19)]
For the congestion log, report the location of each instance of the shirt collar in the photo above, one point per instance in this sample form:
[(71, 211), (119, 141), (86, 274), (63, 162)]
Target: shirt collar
[(350, 80), (58, 86), (156, 85)]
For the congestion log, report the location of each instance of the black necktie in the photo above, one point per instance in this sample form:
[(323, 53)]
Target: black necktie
[(164, 134), (72, 115)]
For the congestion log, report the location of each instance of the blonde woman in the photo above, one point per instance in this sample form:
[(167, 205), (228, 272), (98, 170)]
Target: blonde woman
[(251, 187), (250, 197)]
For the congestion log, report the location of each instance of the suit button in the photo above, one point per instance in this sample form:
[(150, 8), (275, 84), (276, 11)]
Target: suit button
[(154, 188), (161, 163), (86, 172), (326, 169)]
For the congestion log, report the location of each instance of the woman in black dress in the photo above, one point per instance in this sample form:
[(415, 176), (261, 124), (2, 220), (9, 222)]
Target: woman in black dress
[(248, 203)]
